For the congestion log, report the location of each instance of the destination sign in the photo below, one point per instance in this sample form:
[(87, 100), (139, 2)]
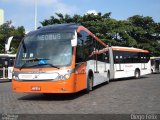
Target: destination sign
[(55, 36)]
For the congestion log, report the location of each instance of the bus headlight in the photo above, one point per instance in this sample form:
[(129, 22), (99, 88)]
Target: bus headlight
[(63, 77), (15, 77), (67, 76), (60, 77)]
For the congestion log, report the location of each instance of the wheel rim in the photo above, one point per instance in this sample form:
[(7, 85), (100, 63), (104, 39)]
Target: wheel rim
[(90, 83), (137, 74)]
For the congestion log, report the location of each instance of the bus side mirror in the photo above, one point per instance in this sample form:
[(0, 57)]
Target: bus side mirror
[(74, 42)]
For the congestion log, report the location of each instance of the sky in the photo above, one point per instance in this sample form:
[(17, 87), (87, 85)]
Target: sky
[(21, 12)]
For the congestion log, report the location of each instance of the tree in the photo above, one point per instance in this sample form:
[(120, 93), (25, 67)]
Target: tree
[(145, 32), (136, 31), (7, 30)]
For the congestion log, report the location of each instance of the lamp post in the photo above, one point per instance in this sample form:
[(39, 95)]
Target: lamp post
[(35, 17)]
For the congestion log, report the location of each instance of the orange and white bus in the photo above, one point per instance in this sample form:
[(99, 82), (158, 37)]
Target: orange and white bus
[(68, 58), (62, 58), (128, 62)]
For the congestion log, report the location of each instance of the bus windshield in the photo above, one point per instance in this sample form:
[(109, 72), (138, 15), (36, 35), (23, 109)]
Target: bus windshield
[(45, 50)]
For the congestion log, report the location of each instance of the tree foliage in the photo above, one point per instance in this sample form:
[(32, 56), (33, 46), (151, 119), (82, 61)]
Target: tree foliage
[(7, 30), (137, 31)]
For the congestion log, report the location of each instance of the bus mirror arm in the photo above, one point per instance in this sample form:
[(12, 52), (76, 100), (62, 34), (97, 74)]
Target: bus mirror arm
[(79, 35)]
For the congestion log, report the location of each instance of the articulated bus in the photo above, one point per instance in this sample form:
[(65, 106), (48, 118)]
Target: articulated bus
[(6, 66), (155, 64), (68, 58)]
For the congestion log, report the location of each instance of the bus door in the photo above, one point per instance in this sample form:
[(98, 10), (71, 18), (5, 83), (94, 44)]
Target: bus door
[(143, 61), (157, 65), (1, 67), (10, 67), (143, 65), (119, 66), (100, 73)]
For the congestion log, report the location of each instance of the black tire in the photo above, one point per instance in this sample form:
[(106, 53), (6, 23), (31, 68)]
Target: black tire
[(137, 74), (89, 84), (108, 77), (151, 71)]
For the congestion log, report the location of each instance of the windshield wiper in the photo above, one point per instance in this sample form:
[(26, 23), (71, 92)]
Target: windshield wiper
[(23, 66), (48, 64), (33, 60), (39, 65)]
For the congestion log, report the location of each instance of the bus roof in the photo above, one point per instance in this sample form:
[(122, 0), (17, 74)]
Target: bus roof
[(63, 27), (129, 49), (7, 55), (155, 58), (56, 27)]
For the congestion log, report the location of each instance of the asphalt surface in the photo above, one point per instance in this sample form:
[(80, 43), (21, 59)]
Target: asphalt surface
[(123, 96)]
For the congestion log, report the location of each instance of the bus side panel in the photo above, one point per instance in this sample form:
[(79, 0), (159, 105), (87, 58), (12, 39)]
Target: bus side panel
[(100, 76), (80, 75), (147, 69)]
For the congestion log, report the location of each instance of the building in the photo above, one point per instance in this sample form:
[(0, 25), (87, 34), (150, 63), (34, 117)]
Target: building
[(1, 16)]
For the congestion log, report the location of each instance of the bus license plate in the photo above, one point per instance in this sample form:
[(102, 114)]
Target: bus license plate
[(36, 88)]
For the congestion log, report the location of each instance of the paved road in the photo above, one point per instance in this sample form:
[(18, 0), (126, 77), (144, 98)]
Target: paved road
[(121, 96)]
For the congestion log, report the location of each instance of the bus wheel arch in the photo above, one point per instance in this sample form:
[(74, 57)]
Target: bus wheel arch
[(137, 73), (90, 80)]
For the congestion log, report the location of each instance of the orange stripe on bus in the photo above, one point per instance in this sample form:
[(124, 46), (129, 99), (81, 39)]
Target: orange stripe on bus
[(80, 75), (129, 50), (90, 33)]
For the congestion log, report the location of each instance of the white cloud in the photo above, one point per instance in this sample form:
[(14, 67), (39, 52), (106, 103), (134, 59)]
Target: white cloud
[(22, 12), (92, 12), (32, 2), (65, 9), (55, 5)]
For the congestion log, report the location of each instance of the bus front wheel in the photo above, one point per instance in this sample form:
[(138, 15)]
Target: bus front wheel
[(89, 84)]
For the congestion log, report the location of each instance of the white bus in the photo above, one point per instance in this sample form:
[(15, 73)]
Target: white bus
[(155, 64), (128, 62), (6, 65)]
